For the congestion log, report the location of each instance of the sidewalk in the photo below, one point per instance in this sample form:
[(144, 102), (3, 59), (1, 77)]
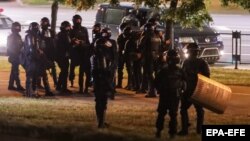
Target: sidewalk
[(232, 66)]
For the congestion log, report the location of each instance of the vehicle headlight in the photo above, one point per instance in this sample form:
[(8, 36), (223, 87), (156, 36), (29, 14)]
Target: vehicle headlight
[(221, 52), (219, 38), (186, 40), (207, 40), (185, 51)]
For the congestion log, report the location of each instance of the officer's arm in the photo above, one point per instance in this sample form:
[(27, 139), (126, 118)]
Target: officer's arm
[(205, 69), (115, 53), (157, 80), (87, 42), (9, 46)]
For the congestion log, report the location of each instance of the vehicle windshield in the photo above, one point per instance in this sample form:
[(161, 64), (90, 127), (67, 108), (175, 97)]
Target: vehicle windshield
[(5, 23), (114, 16)]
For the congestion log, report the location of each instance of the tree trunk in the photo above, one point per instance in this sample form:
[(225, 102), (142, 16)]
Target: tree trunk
[(169, 35), (54, 10)]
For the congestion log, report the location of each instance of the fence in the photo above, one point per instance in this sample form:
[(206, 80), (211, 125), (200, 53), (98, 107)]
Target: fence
[(236, 47)]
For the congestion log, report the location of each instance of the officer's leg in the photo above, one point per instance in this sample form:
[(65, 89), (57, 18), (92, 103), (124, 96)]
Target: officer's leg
[(87, 81), (144, 83), (34, 82), (53, 72), (65, 73), (60, 77), (11, 78), (120, 71), (137, 74), (46, 84), (80, 82), (133, 79), (39, 82), (173, 109), (101, 105), (162, 111), (151, 88), (200, 117), (72, 73), (28, 84), (129, 70), (185, 104), (17, 79)]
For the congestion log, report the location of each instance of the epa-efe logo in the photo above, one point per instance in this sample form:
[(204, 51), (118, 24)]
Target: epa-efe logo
[(213, 132), (228, 132)]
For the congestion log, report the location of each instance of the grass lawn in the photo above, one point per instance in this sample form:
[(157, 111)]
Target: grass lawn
[(74, 119)]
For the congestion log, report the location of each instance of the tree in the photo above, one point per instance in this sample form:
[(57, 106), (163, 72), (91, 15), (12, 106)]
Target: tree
[(186, 12), (54, 10)]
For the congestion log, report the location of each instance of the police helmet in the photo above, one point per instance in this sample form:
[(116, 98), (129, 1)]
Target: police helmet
[(96, 28), (64, 25), (152, 20), (127, 31), (122, 26), (16, 27), (45, 22), (173, 57), (193, 49), (76, 18), (148, 27), (106, 32), (193, 46), (34, 27)]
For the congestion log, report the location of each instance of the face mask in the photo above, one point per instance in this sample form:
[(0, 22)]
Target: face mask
[(45, 27), (16, 29), (35, 30), (77, 22)]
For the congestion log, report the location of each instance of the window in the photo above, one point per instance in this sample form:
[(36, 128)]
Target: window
[(5, 23), (114, 16)]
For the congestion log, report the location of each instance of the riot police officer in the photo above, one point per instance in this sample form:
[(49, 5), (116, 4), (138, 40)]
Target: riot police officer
[(14, 46), (192, 66), (80, 53), (103, 64), (169, 82), (96, 32), (149, 46), (131, 59), (121, 40), (48, 46), (63, 44), (35, 62)]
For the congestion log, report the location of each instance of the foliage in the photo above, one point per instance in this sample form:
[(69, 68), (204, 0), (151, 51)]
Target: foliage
[(243, 3)]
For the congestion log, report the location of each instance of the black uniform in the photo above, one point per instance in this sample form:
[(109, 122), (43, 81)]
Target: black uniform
[(80, 53), (121, 40), (96, 34), (149, 46), (63, 44), (48, 46), (169, 82), (34, 61), (192, 66), (14, 46), (103, 64), (132, 62)]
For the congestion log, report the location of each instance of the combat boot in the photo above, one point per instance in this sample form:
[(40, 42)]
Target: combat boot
[(20, 88), (101, 119), (158, 134)]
